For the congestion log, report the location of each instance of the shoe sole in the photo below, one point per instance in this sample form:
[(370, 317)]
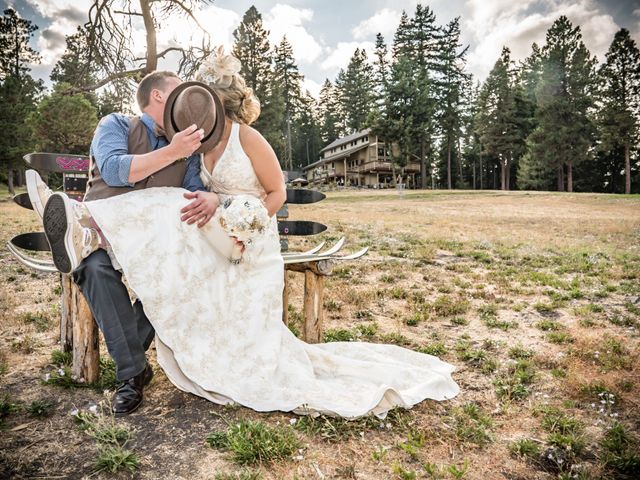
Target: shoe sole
[(57, 227), (32, 189), (124, 414)]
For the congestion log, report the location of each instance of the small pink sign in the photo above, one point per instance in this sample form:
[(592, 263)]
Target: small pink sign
[(73, 163)]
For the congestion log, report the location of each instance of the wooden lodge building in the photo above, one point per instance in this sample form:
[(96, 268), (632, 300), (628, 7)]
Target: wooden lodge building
[(357, 160)]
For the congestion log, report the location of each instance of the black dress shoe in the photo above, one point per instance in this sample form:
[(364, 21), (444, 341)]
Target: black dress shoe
[(128, 396)]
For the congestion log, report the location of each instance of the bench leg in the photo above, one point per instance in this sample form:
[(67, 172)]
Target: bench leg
[(313, 307), (285, 299), (86, 353), (66, 319)]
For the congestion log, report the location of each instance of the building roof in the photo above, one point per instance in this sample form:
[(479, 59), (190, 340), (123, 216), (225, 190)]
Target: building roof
[(340, 154), (349, 138)]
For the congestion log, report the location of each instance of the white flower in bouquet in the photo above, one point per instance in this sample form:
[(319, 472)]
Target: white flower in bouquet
[(244, 217)]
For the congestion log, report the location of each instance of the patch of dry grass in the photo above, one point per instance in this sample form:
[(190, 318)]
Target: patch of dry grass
[(478, 279)]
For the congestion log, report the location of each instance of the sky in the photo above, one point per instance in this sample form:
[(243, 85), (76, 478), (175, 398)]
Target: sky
[(324, 34)]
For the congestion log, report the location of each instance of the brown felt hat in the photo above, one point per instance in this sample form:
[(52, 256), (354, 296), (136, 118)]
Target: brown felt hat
[(194, 102)]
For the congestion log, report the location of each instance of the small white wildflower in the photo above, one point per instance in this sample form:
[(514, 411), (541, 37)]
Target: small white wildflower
[(74, 412), (93, 409), (293, 421), (61, 372)]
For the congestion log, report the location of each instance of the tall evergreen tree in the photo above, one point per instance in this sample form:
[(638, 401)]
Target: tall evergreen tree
[(328, 113), (381, 70), (564, 131), (287, 76), (452, 80), (355, 91), (252, 48), (307, 132), (619, 79), (15, 53), (19, 93), (402, 38), (499, 131)]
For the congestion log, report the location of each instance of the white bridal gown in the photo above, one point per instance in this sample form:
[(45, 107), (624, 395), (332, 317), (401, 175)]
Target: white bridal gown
[(219, 329)]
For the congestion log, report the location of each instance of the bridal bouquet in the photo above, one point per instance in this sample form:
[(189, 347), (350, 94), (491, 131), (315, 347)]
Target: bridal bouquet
[(243, 217)]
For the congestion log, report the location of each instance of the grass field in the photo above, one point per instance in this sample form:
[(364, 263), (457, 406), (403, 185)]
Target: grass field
[(535, 297)]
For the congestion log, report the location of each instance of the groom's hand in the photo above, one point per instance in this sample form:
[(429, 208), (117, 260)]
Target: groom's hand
[(201, 209)]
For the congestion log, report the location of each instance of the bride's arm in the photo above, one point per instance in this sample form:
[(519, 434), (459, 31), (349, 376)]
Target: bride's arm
[(267, 168)]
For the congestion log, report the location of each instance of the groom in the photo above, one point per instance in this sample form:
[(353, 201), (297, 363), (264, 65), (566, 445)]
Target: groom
[(130, 154)]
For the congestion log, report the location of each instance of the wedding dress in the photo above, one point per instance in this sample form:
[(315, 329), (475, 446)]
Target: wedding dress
[(219, 329)]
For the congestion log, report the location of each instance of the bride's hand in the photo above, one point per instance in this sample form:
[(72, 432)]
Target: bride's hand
[(201, 209)]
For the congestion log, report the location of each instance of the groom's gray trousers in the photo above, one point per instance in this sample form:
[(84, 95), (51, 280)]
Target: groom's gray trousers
[(126, 329)]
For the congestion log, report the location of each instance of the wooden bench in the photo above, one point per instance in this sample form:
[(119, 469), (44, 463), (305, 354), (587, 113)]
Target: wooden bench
[(78, 330)]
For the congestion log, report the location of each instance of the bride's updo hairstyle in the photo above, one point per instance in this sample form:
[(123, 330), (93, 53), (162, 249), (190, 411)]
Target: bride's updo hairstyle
[(222, 73)]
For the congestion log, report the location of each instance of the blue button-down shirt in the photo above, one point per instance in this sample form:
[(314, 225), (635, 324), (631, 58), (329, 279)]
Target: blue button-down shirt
[(109, 150)]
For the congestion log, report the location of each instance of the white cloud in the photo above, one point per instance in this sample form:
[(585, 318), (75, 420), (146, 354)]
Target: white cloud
[(340, 56), (503, 22), (65, 16), (384, 21), (286, 20), (312, 86)]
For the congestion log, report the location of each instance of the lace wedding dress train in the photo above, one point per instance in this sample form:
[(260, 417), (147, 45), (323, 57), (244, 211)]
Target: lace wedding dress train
[(219, 330)]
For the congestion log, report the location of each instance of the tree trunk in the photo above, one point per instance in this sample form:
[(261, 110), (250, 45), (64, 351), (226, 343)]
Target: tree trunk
[(449, 165), (459, 164), (560, 179), (481, 182), (289, 155), (10, 187), (473, 169), (423, 166), (152, 49), (569, 177), (508, 172), (494, 170), (502, 170), (627, 170)]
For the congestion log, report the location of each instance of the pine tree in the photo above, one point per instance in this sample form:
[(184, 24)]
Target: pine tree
[(381, 71), (15, 53), (355, 91), (402, 39), (19, 93), (307, 131), (499, 131), (286, 75), (452, 79), (327, 113), (619, 80), (252, 48), (564, 131)]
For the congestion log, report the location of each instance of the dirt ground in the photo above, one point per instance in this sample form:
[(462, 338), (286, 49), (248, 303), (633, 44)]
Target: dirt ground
[(534, 296)]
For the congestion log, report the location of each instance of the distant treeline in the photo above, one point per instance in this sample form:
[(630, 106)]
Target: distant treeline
[(555, 121)]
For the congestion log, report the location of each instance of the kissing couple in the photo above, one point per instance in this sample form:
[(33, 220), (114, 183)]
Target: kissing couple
[(181, 206)]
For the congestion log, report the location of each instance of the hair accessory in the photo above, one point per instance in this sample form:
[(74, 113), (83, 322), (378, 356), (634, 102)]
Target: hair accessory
[(219, 69)]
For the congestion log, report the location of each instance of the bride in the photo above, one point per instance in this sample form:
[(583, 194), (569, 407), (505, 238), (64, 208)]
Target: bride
[(218, 324)]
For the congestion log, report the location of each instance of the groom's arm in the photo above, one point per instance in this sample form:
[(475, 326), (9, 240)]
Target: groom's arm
[(119, 168)]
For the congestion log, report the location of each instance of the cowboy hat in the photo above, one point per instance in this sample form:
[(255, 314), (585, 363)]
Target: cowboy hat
[(194, 102)]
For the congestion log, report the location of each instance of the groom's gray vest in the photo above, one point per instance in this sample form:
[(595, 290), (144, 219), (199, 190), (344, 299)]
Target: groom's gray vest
[(170, 176)]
